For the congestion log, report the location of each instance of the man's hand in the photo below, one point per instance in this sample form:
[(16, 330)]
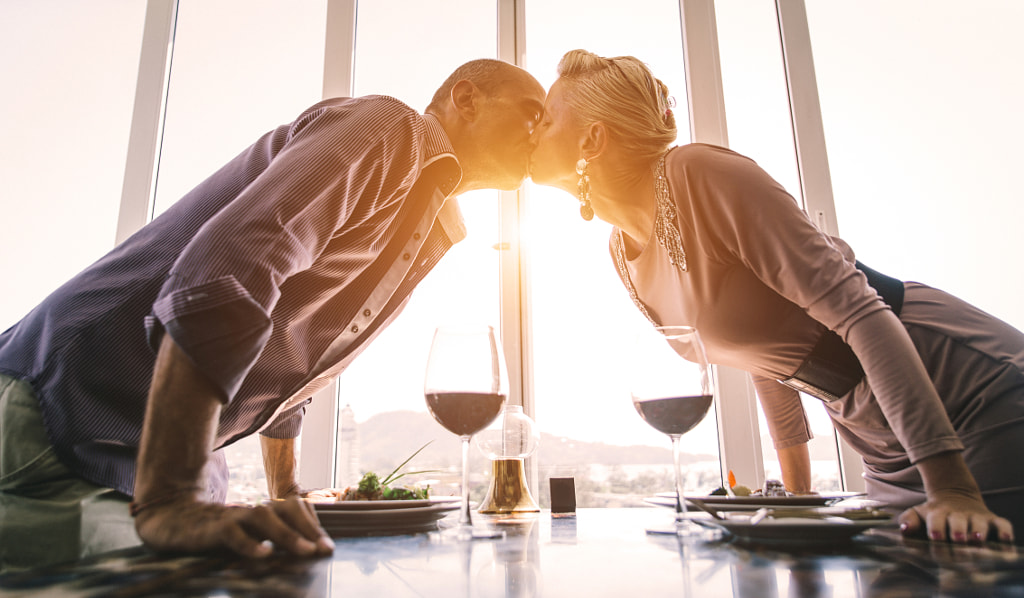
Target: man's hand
[(955, 509), (176, 444), (189, 525)]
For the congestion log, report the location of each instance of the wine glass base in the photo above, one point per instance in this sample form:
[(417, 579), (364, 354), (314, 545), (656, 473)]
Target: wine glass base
[(462, 533), (681, 527)]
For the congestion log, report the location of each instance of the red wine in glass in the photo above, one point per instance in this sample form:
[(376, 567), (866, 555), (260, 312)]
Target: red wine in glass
[(674, 415), (465, 389), (465, 413), (672, 388)]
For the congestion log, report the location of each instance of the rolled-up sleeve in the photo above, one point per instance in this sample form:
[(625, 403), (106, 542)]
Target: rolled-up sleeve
[(338, 166), (287, 424)]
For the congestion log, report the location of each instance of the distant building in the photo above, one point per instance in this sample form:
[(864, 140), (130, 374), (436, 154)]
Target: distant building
[(348, 448)]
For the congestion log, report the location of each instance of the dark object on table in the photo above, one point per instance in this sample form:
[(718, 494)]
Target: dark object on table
[(563, 495), (774, 488)]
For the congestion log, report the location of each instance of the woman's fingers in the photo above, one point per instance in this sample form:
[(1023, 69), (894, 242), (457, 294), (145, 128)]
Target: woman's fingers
[(943, 521), (911, 522)]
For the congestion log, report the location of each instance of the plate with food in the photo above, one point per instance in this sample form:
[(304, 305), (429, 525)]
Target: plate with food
[(364, 522), (742, 498), (798, 528), (378, 506)]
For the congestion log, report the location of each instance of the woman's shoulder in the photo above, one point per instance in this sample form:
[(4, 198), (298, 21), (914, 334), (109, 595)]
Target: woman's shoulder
[(703, 153)]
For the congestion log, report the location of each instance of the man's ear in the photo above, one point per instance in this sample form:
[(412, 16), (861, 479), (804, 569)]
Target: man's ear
[(595, 140), (464, 96)]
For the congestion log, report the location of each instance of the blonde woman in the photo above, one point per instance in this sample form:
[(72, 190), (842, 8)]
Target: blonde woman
[(928, 389)]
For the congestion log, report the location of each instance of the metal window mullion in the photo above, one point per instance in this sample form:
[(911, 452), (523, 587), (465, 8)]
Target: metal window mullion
[(812, 162), (516, 315), (319, 462), (736, 407), (138, 189)]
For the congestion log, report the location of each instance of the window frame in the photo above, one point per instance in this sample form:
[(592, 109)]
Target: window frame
[(740, 440)]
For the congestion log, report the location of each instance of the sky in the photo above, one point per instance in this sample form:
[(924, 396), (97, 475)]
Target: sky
[(920, 102)]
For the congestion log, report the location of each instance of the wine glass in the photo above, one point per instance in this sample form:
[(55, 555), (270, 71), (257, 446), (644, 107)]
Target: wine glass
[(465, 390), (672, 387)]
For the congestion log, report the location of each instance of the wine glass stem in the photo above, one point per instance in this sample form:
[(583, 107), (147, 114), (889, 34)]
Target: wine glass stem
[(680, 502), (464, 518)]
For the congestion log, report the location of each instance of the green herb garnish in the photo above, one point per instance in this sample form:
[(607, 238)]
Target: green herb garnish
[(371, 487)]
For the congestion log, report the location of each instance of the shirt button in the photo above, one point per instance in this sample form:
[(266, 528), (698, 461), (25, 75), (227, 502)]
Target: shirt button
[(366, 313), (355, 329), (416, 236), (405, 256)]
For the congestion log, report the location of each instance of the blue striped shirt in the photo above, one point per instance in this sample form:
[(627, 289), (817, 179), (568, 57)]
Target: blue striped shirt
[(271, 275)]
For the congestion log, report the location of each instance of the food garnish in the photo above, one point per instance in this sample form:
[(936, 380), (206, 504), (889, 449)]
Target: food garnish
[(371, 487)]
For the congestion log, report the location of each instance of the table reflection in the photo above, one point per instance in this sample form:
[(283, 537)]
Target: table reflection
[(600, 552)]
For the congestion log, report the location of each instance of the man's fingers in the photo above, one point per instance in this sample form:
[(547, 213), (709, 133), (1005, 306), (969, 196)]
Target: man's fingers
[(237, 539), (301, 516), (264, 523)]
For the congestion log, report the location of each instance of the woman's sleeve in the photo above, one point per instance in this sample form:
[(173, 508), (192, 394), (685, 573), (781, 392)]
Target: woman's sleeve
[(761, 226), (784, 412)]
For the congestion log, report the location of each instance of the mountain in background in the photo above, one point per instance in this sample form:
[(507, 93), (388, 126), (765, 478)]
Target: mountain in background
[(387, 439)]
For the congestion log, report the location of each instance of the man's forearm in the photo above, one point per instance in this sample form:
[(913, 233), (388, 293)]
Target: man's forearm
[(279, 465), (178, 432)]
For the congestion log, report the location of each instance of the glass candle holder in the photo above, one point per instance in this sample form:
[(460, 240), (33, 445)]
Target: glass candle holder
[(507, 443)]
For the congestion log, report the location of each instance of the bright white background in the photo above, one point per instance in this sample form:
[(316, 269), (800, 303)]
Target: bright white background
[(920, 101)]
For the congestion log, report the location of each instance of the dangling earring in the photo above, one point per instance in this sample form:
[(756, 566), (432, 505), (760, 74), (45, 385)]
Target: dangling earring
[(586, 211)]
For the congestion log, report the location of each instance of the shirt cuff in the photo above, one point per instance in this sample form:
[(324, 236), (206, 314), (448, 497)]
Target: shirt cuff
[(288, 424), (218, 325)]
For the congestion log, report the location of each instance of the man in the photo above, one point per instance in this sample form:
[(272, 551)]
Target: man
[(253, 291)]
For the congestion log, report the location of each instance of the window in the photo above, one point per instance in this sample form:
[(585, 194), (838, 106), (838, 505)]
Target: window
[(583, 319), (920, 105), (235, 74), (407, 49), (65, 113), (758, 112), (920, 119)]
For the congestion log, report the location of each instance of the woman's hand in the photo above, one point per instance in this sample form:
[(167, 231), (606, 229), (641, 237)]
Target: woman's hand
[(955, 509), (189, 525), (955, 516)]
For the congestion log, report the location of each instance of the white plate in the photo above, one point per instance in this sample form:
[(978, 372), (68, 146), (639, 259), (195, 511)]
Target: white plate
[(378, 505), (389, 521), (753, 503), (792, 531)]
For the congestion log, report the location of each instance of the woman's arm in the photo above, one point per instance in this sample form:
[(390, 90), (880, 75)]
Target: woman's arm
[(955, 508), (795, 462)]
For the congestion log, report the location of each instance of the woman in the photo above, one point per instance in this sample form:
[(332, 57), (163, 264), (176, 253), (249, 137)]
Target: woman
[(932, 398)]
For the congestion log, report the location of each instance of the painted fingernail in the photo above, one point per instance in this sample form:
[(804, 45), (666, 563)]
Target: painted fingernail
[(959, 537), (904, 527), (936, 535), (978, 537)]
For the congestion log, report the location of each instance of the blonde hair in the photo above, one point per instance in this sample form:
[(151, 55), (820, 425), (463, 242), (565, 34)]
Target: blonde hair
[(622, 93)]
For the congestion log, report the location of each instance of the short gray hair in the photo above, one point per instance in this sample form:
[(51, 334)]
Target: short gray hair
[(486, 73)]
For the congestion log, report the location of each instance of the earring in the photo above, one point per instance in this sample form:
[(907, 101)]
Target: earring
[(586, 211)]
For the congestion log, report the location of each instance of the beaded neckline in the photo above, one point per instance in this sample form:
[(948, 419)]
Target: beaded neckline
[(665, 230)]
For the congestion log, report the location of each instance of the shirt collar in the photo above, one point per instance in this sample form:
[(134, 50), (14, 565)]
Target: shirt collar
[(437, 147)]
